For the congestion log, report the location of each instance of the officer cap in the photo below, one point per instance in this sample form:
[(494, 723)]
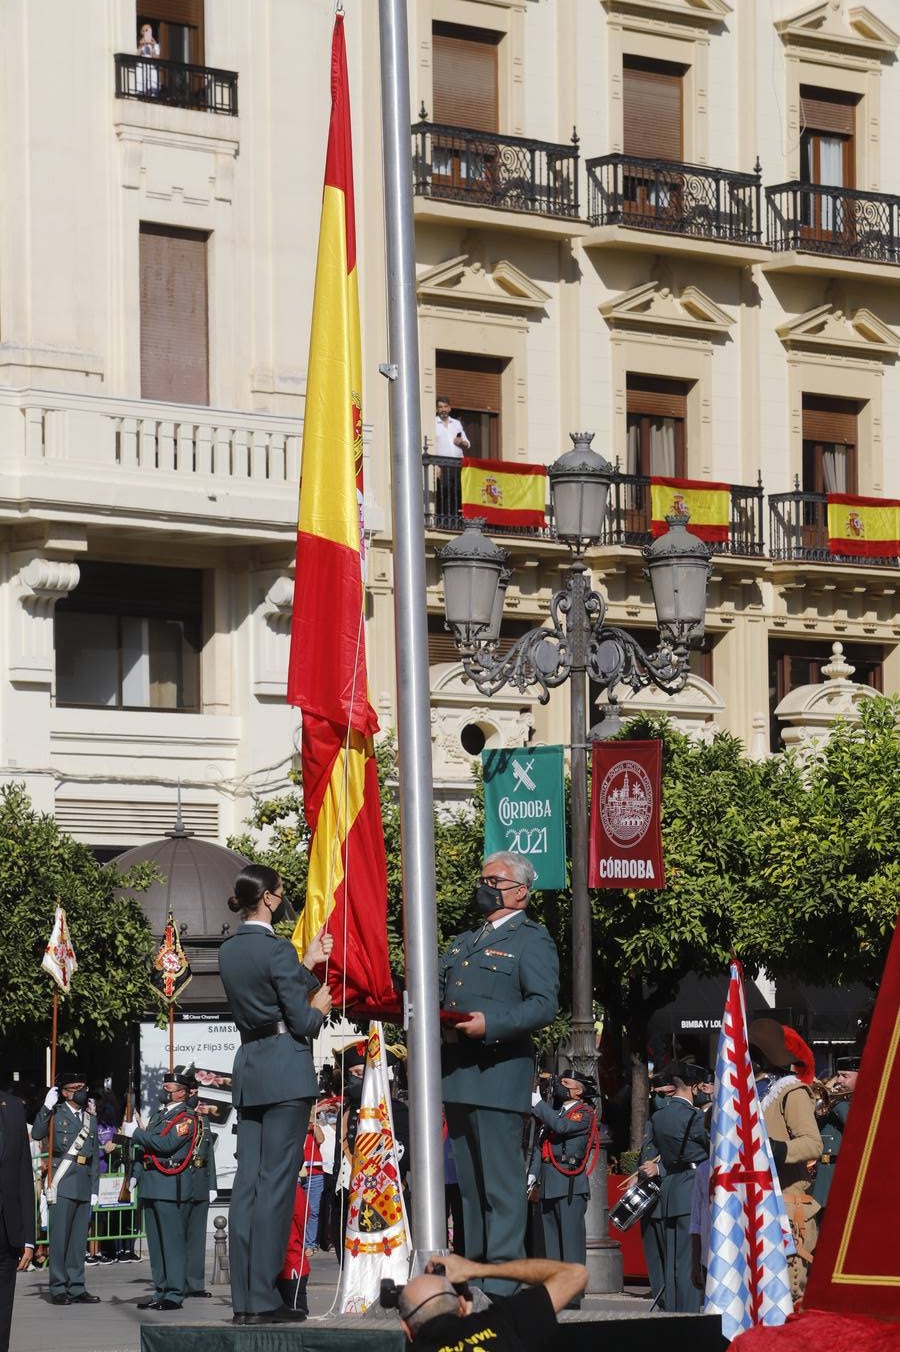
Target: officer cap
[(587, 1082), (186, 1076), (847, 1063), (67, 1077), (686, 1071)]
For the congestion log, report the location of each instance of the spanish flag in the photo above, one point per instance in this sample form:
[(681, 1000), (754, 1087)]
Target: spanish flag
[(863, 527), (709, 505), (504, 492), (347, 887)]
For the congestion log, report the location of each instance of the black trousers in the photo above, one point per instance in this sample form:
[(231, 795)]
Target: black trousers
[(9, 1260)]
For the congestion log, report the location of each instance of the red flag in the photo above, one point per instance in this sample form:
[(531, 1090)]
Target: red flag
[(347, 887), (626, 829)]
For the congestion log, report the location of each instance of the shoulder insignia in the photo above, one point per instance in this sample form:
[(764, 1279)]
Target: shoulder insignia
[(182, 1128), (575, 1117)]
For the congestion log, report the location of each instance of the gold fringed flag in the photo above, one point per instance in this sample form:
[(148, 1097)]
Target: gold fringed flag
[(709, 505), (59, 955), (866, 528), (504, 492), (171, 970), (347, 880)]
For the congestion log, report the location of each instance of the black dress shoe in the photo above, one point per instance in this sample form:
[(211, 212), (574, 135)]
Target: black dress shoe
[(192, 1294), (238, 1319), (151, 1304), (280, 1316), (84, 1299), (61, 1300), (168, 1305)]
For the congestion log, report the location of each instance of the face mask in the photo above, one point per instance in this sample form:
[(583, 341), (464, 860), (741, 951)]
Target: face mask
[(354, 1089), (191, 1101), (764, 1084), (560, 1092), (701, 1099), (80, 1097), (280, 912), (488, 899)]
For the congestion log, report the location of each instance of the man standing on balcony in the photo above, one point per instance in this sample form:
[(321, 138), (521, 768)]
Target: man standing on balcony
[(450, 442)]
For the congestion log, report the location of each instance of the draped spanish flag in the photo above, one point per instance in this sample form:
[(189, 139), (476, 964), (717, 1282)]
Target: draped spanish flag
[(504, 492), (327, 679), (709, 505), (863, 527)]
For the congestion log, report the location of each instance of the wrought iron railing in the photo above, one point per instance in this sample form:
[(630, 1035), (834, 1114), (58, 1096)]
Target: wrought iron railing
[(681, 199), (798, 530), (629, 514), (513, 173), (177, 84), (843, 221)]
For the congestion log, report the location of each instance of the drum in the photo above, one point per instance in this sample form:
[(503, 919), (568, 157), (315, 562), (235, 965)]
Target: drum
[(637, 1201)]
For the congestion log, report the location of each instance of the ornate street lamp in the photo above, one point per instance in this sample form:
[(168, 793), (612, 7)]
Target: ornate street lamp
[(575, 645)]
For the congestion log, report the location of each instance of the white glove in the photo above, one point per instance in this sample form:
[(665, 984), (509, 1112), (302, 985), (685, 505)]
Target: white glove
[(95, 1198), (530, 1183), (535, 1098), (132, 1182), (52, 1098), (128, 1129), (212, 1195)]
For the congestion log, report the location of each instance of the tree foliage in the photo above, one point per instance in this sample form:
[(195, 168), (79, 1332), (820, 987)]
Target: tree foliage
[(39, 866)]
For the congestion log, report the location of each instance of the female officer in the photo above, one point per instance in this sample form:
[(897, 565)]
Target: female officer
[(278, 1006)]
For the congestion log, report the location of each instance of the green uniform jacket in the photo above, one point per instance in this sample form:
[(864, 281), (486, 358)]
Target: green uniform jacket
[(200, 1179), (675, 1122), (170, 1136), (266, 982), (831, 1129), (511, 975), (568, 1133), (80, 1181)]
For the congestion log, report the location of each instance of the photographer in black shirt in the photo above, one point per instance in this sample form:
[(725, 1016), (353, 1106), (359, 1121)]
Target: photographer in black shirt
[(436, 1308)]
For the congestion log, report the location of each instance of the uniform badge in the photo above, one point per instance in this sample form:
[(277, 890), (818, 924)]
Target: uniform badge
[(497, 953), (182, 1128)]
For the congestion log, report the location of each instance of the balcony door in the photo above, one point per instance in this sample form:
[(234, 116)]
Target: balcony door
[(829, 460), (827, 154), (174, 315), (653, 112), (465, 95), (178, 27)]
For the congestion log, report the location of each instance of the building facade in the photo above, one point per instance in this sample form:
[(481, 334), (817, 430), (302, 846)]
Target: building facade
[(673, 222)]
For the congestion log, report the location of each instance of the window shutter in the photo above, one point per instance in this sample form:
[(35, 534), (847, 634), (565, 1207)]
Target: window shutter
[(174, 323), (827, 110), (662, 398), (465, 77), (172, 11), (652, 107), (136, 589), (470, 382), (832, 421)]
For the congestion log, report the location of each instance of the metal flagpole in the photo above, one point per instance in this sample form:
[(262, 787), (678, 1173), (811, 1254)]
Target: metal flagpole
[(429, 1223)]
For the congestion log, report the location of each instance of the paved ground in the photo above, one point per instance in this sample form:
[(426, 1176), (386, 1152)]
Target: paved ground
[(114, 1325)]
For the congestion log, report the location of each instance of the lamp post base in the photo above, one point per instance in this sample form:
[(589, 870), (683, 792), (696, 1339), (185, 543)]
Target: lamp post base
[(604, 1255)]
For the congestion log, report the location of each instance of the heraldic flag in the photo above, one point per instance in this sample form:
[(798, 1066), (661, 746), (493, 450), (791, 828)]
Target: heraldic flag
[(708, 505), (171, 971), (747, 1273), (377, 1244), (59, 955), (347, 881), (503, 492), (863, 527)]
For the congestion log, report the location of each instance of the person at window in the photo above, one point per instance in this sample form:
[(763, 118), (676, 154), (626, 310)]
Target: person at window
[(278, 1006), (147, 50), (450, 442), (498, 983)]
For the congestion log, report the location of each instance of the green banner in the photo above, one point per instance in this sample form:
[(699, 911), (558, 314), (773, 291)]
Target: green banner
[(524, 809)]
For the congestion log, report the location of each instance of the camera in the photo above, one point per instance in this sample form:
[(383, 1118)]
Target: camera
[(389, 1296)]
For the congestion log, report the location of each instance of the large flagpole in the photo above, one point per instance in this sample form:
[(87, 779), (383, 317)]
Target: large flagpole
[(429, 1222)]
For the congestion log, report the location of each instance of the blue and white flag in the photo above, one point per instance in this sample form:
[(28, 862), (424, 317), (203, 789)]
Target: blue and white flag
[(747, 1271)]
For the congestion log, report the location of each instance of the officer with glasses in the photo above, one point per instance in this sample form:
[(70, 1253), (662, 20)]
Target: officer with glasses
[(498, 984)]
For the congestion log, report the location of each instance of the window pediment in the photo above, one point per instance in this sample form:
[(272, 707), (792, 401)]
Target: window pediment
[(840, 27), (653, 306), (861, 334), (465, 281), (703, 12)]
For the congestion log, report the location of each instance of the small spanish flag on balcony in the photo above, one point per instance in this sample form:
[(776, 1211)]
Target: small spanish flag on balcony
[(504, 492), (709, 505), (863, 527)]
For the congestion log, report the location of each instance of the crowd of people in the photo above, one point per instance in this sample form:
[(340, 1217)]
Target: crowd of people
[(498, 985)]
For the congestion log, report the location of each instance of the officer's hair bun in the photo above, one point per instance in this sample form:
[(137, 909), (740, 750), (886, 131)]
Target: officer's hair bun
[(234, 904)]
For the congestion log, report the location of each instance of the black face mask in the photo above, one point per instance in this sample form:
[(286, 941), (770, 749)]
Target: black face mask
[(560, 1093), (354, 1089), (488, 899), (701, 1099), (80, 1098), (191, 1101), (280, 912)]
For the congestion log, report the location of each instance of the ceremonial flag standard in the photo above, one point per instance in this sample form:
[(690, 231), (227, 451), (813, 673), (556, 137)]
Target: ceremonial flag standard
[(347, 882), (863, 527), (504, 492), (709, 505), (59, 955), (171, 970), (747, 1279), (377, 1243)]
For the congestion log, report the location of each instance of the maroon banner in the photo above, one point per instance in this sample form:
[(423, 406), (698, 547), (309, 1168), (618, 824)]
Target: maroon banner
[(626, 832)]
